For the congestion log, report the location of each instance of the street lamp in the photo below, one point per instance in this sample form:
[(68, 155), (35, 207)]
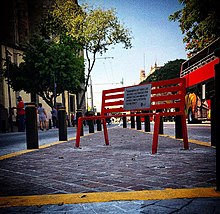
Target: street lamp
[(7, 55)]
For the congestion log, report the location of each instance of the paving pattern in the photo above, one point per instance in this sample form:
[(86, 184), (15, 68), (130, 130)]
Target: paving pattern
[(126, 165)]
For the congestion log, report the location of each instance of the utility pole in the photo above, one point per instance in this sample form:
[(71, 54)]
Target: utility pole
[(91, 91), (92, 105)]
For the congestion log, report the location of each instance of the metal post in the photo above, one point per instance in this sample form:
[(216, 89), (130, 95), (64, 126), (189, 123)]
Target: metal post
[(124, 121), (91, 123), (31, 126), (132, 121), (161, 125), (62, 124), (92, 105), (213, 122), (138, 122), (147, 123), (91, 126), (50, 125), (3, 126), (161, 122), (98, 122), (79, 114), (7, 53), (68, 121), (178, 127)]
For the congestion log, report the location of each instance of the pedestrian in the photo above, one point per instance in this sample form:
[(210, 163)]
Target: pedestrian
[(120, 121), (42, 117), (20, 114), (54, 117)]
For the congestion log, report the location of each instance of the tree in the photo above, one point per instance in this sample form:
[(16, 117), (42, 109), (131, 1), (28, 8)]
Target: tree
[(169, 71), (47, 66), (199, 20), (96, 29)]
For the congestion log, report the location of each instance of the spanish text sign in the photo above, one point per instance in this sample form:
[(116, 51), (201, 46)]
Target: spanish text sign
[(137, 97)]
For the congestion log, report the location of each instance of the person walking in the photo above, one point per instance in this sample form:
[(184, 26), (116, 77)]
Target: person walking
[(42, 117), (54, 117), (73, 118), (20, 114)]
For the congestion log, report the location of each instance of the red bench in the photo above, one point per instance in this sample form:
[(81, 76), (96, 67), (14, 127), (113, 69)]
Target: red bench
[(167, 98)]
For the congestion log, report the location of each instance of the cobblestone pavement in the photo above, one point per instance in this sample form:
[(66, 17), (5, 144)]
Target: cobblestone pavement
[(126, 165)]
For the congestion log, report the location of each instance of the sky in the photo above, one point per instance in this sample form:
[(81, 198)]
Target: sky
[(155, 39)]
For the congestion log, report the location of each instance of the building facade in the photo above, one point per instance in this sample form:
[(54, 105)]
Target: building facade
[(19, 20)]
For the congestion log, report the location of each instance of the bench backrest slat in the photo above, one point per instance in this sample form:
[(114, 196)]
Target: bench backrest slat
[(155, 90), (165, 95), (115, 103)]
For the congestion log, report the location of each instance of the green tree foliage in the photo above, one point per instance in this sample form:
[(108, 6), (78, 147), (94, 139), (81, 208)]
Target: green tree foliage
[(47, 62), (199, 21), (169, 71), (96, 29)]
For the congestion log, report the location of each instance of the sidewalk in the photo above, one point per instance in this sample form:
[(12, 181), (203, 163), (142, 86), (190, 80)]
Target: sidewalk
[(121, 178)]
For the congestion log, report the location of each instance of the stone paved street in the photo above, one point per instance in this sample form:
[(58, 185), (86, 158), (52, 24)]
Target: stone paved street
[(126, 165)]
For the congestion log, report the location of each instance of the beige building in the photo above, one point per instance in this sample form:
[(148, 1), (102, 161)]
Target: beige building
[(18, 21), (142, 75), (152, 70)]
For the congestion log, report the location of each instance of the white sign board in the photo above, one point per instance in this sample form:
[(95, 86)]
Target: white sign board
[(137, 97)]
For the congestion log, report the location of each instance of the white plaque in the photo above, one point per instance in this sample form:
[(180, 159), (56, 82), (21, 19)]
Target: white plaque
[(137, 97)]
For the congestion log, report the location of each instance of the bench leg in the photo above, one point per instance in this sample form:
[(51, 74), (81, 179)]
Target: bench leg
[(184, 132), (156, 133), (78, 132), (105, 132)]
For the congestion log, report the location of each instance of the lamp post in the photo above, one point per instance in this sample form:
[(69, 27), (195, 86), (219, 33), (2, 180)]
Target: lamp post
[(7, 54)]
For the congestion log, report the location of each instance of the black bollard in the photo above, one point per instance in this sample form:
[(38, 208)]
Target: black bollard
[(124, 121), (50, 125), (213, 121), (178, 127), (147, 123), (62, 124), (161, 122), (161, 125), (138, 122), (68, 121), (91, 122), (79, 114), (98, 122), (3, 126), (57, 122), (31, 126), (91, 126), (132, 121)]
